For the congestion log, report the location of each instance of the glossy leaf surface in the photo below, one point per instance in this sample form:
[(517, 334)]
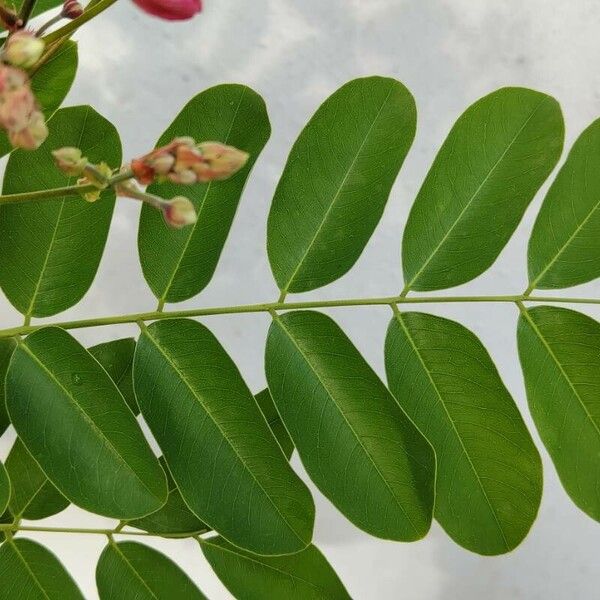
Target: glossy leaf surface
[(51, 250), (223, 457), (355, 442), (303, 576), (178, 264), (6, 349), (267, 407), (4, 488), (560, 355), (174, 516), (489, 477), (564, 249), (132, 570), (116, 358), (29, 571), (75, 423), (337, 181), (486, 173), (33, 494)]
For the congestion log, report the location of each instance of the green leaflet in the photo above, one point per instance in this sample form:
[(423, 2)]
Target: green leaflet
[(4, 488), (130, 570), (51, 250), (559, 351), (303, 576), (33, 495), (50, 84), (355, 442), (179, 264), (489, 477), (223, 457), (28, 571), (486, 173), (269, 411), (174, 516), (6, 349), (564, 248), (116, 358), (337, 181), (75, 423)]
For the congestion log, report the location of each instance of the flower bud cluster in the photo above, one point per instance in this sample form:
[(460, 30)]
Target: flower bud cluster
[(171, 10), (184, 161)]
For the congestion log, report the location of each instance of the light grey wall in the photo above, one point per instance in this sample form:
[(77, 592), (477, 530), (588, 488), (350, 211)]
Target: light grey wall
[(139, 71)]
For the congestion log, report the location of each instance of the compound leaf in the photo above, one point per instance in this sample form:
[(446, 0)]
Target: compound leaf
[(132, 570), (564, 249), (75, 423), (337, 181), (303, 576), (560, 355), (355, 442), (489, 477), (51, 250), (29, 571), (179, 264), (221, 453), (486, 173)]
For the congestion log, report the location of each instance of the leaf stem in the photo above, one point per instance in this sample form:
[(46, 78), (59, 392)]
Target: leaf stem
[(69, 190), (11, 528), (92, 10), (271, 307)]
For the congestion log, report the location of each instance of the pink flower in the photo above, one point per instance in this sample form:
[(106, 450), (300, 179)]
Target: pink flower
[(172, 10)]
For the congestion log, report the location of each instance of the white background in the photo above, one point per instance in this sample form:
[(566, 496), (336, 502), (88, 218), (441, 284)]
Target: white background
[(138, 71)]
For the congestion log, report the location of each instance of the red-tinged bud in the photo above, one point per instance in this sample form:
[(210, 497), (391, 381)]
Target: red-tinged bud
[(9, 19), (70, 161), (219, 161), (33, 135), (22, 49), (171, 10), (71, 9), (179, 212), (16, 108)]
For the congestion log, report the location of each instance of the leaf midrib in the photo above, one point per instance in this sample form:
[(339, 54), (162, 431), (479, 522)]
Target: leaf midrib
[(114, 451), (417, 352), (29, 569), (198, 397), (337, 193), (537, 331), (472, 198), (132, 568), (349, 425)]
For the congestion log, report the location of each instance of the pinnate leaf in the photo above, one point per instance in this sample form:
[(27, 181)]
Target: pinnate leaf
[(305, 575), (489, 476), (75, 423), (560, 355), (51, 250), (486, 173), (132, 570), (356, 443), (221, 453), (337, 181)]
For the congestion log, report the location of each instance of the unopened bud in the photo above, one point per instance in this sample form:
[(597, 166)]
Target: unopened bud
[(219, 161), (71, 9), (23, 49), (70, 161), (179, 212), (33, 135)]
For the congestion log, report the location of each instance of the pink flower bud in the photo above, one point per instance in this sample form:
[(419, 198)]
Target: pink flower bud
[(179, 212), (22, 49), (33, 135), (171, 10), (219, 161), (71, 9), (70, 161)]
